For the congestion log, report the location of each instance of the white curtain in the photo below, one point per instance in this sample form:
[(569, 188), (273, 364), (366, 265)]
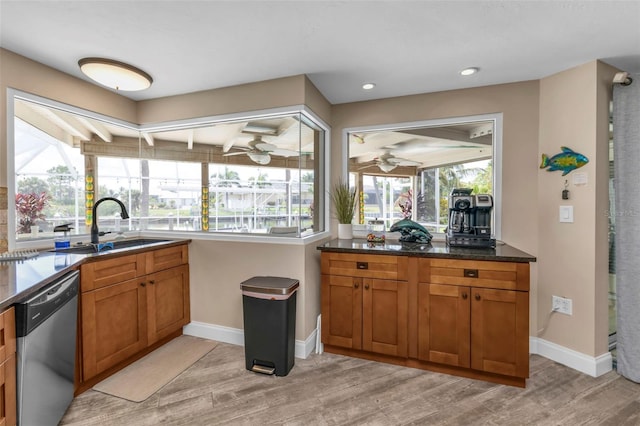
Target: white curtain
[(626, 146)]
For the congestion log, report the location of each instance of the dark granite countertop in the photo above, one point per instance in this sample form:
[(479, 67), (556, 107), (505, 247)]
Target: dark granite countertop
[(19, 279), (436, 249)]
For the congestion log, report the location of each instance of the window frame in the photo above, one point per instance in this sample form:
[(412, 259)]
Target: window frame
[(302, 110), (495, 118)]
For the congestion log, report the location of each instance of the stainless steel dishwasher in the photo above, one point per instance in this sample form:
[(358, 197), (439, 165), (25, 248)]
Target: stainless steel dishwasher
[(46, 351)]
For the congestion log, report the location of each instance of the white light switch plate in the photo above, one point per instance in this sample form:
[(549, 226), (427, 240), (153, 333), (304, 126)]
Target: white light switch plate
[(566, 214)]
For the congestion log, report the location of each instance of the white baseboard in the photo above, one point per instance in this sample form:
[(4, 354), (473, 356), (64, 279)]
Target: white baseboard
[(235, 336), (593, 366)]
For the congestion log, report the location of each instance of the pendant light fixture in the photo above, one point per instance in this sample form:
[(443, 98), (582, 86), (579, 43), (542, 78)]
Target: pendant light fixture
[(114, 74)]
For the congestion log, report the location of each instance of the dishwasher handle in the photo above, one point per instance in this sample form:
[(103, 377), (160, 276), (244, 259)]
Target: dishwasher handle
[(32, 312)]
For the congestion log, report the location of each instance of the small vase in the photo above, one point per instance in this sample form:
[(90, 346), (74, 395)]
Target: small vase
[(345, 231), (35, 229)]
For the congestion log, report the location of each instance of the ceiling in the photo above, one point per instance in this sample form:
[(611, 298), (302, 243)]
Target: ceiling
[(404, 47), (404, 150), (420, 147)]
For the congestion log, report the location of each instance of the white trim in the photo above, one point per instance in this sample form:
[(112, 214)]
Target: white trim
[(593, 366), (219, 333), (235, 336), (11, 170), (236, 237), (304, 348)]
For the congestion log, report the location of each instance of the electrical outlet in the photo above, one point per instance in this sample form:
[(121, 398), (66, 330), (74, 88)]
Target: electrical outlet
[(562, 305)]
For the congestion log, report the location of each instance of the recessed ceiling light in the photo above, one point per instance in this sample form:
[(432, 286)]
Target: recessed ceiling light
[(368, 86), (469, 71), (114, 74)]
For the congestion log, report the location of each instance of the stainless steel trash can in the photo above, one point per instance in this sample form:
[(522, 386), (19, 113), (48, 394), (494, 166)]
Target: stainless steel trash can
[(269, 308)]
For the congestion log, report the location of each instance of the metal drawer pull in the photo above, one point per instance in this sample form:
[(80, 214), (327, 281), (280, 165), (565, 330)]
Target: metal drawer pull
[(362, 265), (464, 296), (471, 273), (366, 286), (356, 285), (477, 296)]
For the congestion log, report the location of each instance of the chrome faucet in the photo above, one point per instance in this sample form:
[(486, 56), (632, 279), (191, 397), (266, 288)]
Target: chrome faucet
[(94, 218)]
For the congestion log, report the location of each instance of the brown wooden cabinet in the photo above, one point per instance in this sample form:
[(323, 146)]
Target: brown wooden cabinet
[(500, 332), (130, 302), (114, 325), (361, 311), (8, 368), (168, 307), (444, 326), (474, 314), (456, 316)]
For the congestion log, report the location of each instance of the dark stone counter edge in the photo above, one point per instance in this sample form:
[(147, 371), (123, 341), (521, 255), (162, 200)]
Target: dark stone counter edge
[(85, 258), (451, 252)]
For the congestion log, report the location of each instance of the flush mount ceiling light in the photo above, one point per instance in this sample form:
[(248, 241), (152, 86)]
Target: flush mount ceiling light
[(469, 71), (114, 74), (368, 86)]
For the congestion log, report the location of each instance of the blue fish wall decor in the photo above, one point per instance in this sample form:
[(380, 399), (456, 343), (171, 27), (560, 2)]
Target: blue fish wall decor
[(567, 161)]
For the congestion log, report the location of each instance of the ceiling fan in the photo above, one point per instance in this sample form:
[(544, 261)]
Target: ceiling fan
[(260, 152), (387, 162)]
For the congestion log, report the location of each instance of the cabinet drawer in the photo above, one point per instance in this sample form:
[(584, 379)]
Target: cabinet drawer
[(362, 265), (7, 334), (110, 271), (475, 273), (165, 258)]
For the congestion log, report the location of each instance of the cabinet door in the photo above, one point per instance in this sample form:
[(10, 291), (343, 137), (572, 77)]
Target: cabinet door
[(8, 391), (167, 302), (7, 368), (384, 316), (499, 332), (444, 324), (342, 311), (114, 325), (7, 334)]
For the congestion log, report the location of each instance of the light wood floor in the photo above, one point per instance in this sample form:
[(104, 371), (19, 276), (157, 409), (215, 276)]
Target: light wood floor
[(335, 390)]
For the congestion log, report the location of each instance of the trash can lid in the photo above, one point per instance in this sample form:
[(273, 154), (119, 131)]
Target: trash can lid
[(270, 285)]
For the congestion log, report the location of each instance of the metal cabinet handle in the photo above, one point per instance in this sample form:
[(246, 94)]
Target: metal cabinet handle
[(152, 282), (356, 285), (471, 273), (464, 296), (143, 284), (366, 286), (477, 296)]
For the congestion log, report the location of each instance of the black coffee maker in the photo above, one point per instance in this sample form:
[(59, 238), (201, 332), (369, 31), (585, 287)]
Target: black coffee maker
[(469, 219)]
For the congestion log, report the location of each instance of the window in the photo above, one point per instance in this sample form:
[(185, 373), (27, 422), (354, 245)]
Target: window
[(49, 182), (261, 200), (409, 171), (257, 175)]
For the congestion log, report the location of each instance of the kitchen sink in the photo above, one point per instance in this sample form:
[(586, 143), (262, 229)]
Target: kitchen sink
[(109, 246)]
